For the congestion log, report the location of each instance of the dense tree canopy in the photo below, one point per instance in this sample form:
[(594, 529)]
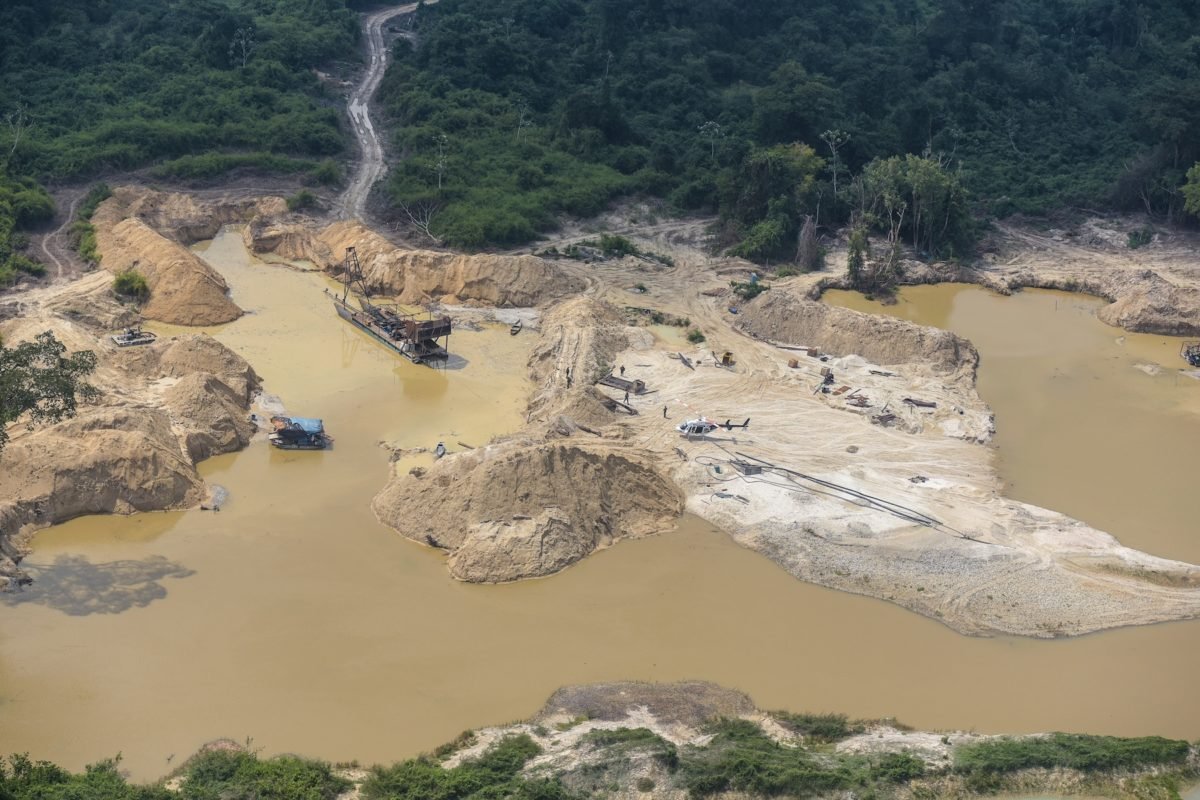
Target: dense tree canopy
[(116, 84), (552, 106)]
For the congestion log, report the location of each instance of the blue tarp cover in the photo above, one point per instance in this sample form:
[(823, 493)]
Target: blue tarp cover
[(308, 425)]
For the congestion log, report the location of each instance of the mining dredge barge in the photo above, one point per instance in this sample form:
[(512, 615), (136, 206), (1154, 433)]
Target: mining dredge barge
[(421, 341)]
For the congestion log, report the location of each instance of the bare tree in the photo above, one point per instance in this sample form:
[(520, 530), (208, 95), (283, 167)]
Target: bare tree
[(243, 45), (420, 215), (18, 123), (835, 139), (712, 131), (523, 117), (439, 166)]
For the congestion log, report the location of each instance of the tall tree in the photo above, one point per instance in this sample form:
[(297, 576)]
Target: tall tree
[(38, 380)]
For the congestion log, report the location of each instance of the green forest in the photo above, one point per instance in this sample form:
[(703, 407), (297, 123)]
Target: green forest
[(194, 87), (510, 112)]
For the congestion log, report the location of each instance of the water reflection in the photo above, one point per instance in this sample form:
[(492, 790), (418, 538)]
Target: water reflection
[(78, 587)]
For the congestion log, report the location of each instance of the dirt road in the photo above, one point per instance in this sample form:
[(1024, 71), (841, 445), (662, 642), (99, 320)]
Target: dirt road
[(370, 167)]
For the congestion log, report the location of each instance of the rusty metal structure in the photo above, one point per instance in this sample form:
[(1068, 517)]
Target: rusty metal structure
[(1190, 351), (420, 340)]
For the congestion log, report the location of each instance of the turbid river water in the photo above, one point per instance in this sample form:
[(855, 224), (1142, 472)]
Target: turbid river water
[(1092, 421), (293, 618)]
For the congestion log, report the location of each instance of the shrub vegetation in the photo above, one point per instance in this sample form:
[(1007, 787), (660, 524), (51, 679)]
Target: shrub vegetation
[(131, 284)]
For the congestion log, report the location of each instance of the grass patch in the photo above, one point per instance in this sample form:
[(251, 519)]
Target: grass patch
[(302, 200), (819, 727), (695, 337), (464, 739), (82, 234), (131, 284), (625, 739), (748, 291)]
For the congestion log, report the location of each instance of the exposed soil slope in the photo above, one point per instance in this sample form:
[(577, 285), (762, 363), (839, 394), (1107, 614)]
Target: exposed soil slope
[(417, 276), (786, 317), (148, 231), (162, 408), (518, 510)]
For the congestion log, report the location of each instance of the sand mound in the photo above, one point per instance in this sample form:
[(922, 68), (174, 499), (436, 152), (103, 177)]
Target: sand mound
[(211, 414), (287, 240), (582, 336), (161, 409), (690, 703), (782, 316), (523, 510), (146, 230), (1144, 301), (184, 355), (183, 289), (417, 276), (107, 460)]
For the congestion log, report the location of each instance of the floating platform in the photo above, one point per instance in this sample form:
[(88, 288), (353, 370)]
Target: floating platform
[(416, 340), (299, 433), (1190, 352), (132, 337)]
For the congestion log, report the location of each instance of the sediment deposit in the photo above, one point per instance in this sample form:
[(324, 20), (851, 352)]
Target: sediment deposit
[(515, 510), (417, 276), (162, 408), (785, 317), (148, 231)]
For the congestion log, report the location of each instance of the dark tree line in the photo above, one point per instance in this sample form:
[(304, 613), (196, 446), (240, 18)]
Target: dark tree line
[(558, 106)]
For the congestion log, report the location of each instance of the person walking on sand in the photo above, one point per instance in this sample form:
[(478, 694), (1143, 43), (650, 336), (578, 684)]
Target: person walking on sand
[(622, 370), (627, 398), (664, 412)]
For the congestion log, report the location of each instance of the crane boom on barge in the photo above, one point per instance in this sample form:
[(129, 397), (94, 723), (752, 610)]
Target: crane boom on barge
[(414, 338)]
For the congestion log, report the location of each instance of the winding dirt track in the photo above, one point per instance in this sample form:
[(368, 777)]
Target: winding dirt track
[(370, 167)]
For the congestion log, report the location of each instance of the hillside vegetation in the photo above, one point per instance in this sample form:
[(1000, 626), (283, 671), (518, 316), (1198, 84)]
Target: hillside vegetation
[(510, 112), (739, 758), (117, 84), (196, 88)]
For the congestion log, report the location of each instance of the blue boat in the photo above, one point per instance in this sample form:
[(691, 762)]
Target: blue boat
[(299, 433)]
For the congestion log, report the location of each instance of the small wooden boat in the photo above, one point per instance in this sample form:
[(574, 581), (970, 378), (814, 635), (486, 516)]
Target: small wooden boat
[(515, 329), (131, 337), (299, 433)]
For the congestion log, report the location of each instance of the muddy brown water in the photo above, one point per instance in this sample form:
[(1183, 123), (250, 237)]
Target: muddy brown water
[(293, 619), (1093, 421)]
